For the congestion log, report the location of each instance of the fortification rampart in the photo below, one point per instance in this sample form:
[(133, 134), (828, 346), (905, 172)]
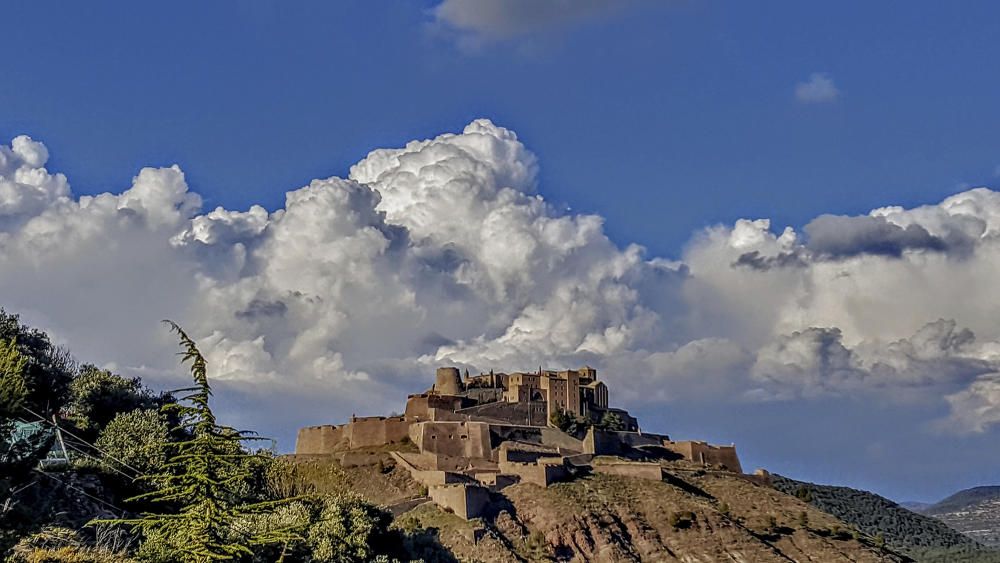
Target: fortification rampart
[(418, 407), (706, 454), (520, 452), (637, 470), (603, 442), (364, 432)]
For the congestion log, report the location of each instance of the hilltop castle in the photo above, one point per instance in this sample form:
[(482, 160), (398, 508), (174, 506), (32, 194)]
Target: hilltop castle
[(575, 393), (477, 434)]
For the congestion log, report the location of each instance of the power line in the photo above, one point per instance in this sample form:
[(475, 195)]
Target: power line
[(40, 417), (95, 458)]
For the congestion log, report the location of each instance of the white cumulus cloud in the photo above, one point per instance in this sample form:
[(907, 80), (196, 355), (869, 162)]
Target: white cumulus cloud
[(444, 252)]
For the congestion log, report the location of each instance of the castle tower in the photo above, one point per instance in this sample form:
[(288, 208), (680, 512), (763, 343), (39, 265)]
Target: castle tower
[(448, 381)]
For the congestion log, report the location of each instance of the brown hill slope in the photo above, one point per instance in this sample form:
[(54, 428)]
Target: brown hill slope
[(690, 516)]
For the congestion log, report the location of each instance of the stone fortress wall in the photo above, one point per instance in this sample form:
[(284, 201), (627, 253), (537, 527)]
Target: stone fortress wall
[(707, 454), (474, 435), (453, 439), (360, 432)]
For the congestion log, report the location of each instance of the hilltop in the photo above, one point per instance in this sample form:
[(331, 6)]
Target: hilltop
[(534, 466), (691, 514)]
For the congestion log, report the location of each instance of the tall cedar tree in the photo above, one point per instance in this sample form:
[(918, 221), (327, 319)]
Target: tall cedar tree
[(200, 484)]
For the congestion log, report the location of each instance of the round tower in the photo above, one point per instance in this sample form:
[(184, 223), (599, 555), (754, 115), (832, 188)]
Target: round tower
[(448, 381)]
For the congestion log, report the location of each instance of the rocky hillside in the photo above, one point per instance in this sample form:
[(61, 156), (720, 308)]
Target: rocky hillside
[(690, 516), (975, 512), (919, 536)]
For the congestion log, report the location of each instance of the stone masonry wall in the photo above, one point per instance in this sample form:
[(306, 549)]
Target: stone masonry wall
[(359, 433), (701, 452), (651, 471), (453, 439), (466, 501), (316, 440)]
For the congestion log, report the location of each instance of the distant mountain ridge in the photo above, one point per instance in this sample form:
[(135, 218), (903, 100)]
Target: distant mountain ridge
[(975, 512), (922, 537), (964, 499)]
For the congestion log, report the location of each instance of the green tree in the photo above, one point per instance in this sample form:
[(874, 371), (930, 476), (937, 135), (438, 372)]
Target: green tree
[(561, 420), (137, 439), (48, 370), (17, 455), (12, 394), (98, 395), (337, 528), (611, 421), (13, 389), (202, 484)]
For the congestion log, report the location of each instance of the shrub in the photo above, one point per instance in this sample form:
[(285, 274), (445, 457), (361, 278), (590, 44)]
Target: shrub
[(61, 545), (804, 494), (136, 439), (561, 420), (537, 545), (680, 519), (879, 541), (611, 421)]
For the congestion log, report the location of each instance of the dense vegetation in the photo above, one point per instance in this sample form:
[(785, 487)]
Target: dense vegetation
[(921, 537), (578, 425), (151, 477)]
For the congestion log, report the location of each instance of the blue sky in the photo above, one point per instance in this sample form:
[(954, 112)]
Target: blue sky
[(675, 107), (664, 118)]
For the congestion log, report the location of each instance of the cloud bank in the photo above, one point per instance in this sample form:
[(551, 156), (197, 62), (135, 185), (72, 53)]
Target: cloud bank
[(443, 252)]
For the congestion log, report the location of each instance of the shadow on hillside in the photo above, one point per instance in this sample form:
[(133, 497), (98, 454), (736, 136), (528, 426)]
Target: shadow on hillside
[(685, 486), (425, 545)]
